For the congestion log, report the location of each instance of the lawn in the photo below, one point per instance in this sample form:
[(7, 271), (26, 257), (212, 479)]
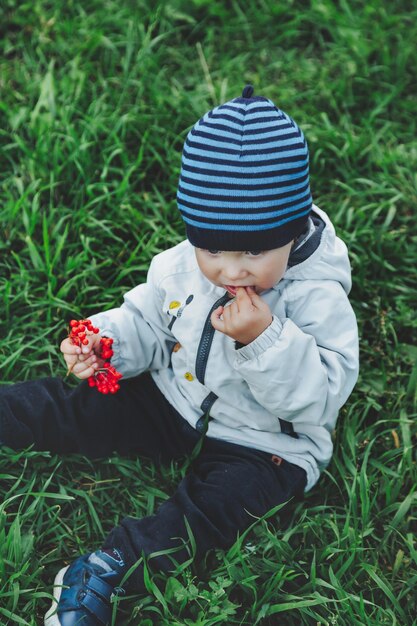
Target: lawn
[(95, 101)]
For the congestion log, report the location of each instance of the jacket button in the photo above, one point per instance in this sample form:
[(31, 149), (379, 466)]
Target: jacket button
[(188, 376)]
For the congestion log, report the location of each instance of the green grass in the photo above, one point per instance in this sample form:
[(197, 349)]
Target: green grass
[(95, 101)]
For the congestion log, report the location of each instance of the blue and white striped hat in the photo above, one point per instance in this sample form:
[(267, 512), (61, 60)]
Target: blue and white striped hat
[(244, 182)]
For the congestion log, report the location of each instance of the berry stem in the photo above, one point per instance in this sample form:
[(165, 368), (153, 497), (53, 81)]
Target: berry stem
[(69, 370)]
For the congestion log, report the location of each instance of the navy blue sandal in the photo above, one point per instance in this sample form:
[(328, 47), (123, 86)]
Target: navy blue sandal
[(84, 589)]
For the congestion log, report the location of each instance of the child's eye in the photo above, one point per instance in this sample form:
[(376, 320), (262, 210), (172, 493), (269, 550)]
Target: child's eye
[(254, 252), (213, 251)]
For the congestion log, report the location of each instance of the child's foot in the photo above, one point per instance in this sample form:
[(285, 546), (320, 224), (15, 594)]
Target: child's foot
[(82, 591)]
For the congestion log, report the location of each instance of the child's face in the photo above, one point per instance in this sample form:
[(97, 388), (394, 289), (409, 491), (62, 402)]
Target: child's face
[(260, 270)]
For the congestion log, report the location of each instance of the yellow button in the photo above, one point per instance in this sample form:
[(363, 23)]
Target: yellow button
[(188, 376), (174, 304)]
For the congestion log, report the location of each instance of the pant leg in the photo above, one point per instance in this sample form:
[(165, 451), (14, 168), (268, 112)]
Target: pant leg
[(226, 490), (53, 416)]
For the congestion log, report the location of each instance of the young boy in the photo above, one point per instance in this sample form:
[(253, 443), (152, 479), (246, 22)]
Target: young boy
[(243, 334)]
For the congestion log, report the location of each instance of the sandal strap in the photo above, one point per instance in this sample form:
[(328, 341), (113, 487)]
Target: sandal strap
[(100, 587), (100, 610)]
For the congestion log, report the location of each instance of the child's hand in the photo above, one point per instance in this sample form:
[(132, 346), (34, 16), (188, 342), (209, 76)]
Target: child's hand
[(82, 361), (245, 319)]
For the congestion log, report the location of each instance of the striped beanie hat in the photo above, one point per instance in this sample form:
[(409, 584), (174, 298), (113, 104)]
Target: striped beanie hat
[(244, 181)]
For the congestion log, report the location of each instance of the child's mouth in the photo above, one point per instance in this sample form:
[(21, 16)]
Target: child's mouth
[(233, 290)]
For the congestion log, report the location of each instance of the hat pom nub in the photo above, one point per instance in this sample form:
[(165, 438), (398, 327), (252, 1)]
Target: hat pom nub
[(248, 91)]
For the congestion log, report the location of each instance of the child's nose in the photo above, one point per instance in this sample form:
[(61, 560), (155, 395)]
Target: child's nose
[(234, 272)]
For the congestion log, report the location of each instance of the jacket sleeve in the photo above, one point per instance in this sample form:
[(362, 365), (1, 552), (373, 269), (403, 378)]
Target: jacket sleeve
[(303, 368), (142, 340)]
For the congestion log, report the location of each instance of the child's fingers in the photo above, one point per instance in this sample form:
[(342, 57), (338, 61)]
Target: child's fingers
[(230, 311), (93, 342), (87, 359), (250, 291), (215, 318), (83, 372), (70, 360), (244, 299), (253, 296), (242, 295), (86, 356), (67, 347), (87, 349), (86, 367)]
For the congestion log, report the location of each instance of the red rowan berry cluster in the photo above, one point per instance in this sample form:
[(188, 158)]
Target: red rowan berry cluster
[(106, 351), (106, 379), (79, 331)]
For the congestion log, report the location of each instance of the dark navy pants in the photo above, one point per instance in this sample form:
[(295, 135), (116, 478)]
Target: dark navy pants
[(225, 489)]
